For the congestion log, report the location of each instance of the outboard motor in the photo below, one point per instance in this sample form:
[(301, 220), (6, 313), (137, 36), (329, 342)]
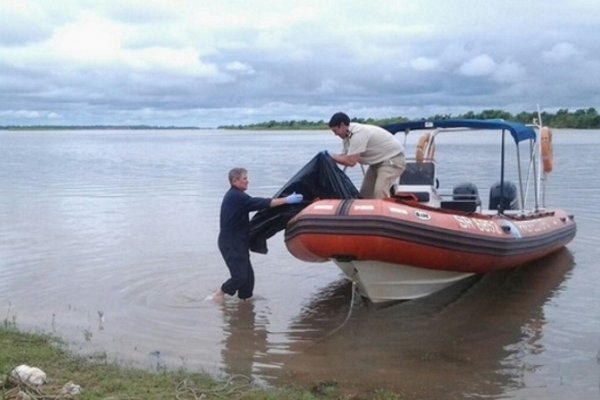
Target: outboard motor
[(467, 194), (503, 198)]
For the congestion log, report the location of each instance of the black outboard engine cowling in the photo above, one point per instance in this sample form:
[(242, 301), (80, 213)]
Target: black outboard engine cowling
[(465, 197), (465, 191), (504, 198)]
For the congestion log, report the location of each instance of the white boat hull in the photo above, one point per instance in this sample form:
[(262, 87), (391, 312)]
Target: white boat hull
[(383, 282)]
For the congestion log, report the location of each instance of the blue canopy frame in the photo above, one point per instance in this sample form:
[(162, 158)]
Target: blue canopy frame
[(518, 130)]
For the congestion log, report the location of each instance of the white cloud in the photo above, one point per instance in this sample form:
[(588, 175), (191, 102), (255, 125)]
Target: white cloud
[(481, 65), (184, 61), (240, 68), (154, 60), (561, 52), (88, 40), (29, 114), (22, 22), (327, 86), (424, 64), (509, 71)]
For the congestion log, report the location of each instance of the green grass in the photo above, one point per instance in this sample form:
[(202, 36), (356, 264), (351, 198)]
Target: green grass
[(102, 380)]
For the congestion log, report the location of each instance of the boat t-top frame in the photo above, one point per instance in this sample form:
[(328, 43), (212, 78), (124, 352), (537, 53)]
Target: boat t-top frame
[(518, 131)]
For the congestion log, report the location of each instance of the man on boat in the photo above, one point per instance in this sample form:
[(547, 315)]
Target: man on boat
[(234, 241), (373, 146)]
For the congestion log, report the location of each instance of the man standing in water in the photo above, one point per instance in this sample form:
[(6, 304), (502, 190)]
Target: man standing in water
[(234, 236), (373, 146)]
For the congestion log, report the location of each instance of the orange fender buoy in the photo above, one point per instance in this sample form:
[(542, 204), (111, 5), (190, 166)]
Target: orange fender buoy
[(547, 152), (425, 148)]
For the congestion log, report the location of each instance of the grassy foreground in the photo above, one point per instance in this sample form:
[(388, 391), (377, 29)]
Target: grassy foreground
[(112, 382)]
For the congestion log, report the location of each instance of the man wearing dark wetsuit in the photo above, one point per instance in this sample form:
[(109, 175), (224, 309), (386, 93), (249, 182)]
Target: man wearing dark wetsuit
[(234, 236)]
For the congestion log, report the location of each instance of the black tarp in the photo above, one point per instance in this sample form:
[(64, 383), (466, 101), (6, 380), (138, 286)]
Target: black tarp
[(320, 178)]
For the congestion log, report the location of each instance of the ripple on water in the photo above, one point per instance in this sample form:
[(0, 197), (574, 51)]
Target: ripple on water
[(117, 234)]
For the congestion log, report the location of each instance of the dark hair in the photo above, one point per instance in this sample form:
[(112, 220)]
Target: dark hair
[(339, 118)]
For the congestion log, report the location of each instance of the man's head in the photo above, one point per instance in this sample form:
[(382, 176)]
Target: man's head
[(238, 177), (339, 123)]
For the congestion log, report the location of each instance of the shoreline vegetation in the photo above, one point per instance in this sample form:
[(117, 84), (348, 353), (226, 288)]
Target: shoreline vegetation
[(89, 127), (99, 379), (579, 119), (563, 118)]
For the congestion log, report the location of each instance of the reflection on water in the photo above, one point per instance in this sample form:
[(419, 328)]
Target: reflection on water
[(108, 239), (245, 343), (474, 341)]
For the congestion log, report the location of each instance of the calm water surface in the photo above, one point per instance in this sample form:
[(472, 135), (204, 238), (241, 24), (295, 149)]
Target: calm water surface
[(108, 240)]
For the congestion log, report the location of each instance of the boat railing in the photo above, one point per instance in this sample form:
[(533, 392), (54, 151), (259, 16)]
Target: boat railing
[(531, 179)]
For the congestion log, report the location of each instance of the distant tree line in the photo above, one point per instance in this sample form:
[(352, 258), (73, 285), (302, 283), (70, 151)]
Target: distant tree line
[(99, 127), (563, 118)]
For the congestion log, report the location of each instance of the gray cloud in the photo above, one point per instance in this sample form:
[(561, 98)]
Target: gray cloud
[(208, 63)]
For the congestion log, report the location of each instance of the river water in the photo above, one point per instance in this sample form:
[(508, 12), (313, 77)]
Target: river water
[(108, 240)]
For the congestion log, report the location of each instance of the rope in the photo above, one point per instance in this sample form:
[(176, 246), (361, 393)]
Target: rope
[(354, 290), (24, 390), (186, 389)]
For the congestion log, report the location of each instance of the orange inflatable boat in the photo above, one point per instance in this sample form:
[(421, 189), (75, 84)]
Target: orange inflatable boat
[(420, 240)]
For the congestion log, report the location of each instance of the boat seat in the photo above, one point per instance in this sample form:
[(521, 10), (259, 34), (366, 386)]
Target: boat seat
[(421, 197), (418, 174)]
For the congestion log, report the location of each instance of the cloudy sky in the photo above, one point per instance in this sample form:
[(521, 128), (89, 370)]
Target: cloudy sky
[(214, 62)]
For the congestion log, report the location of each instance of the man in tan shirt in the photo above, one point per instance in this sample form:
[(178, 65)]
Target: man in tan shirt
[(373, 146)]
